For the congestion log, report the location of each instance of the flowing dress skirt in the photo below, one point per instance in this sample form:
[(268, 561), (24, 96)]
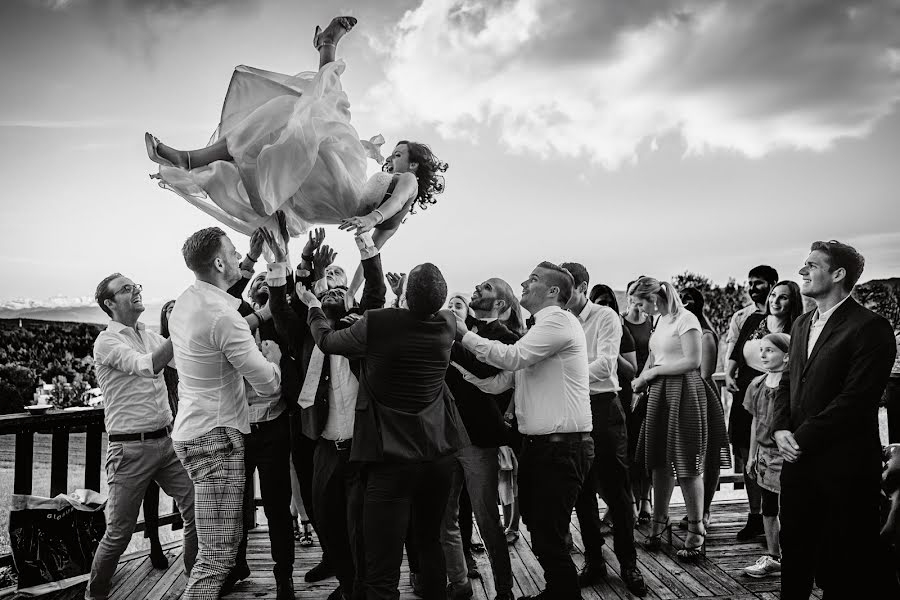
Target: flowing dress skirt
[(293, 147), (685, 427)]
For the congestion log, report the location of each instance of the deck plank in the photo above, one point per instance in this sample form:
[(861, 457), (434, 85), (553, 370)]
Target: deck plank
[(718, 575)]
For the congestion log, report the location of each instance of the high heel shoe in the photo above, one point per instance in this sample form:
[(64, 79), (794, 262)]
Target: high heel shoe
[(653, 543), (152, 142), (306, 538), (643, 516), (693, 553), (328, 37)]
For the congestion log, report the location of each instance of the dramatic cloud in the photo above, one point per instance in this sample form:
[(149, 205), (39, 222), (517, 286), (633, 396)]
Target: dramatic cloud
[(136, 26), (605, 78)]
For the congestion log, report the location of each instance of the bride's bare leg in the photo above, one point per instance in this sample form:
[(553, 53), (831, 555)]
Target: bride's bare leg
[(326, 41), (192, 159)]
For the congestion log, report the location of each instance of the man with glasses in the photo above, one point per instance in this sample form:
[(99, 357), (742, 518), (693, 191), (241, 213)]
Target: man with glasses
[(129, 361)]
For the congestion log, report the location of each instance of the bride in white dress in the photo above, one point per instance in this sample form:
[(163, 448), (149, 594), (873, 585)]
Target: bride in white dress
[(286, 142)]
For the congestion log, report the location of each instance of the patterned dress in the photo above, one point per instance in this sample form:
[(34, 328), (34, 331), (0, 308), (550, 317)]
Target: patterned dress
[(685, 424)]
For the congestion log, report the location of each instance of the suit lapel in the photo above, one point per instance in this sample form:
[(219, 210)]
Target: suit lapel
[(835, 321)]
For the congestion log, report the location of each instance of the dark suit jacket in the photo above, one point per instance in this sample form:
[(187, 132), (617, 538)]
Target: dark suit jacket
[(290, 318), (481, 413), (830, 401), (404, 411)]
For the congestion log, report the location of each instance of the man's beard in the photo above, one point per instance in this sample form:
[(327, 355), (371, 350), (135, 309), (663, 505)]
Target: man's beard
[(261, 297), (482, 304), (334, 311)]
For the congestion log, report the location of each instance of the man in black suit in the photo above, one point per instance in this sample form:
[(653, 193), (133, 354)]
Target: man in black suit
[(477, 467), (826, 427), (327, 400), (406, 427)]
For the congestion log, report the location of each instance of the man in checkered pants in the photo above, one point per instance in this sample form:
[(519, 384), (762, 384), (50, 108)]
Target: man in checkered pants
[(215, 352)]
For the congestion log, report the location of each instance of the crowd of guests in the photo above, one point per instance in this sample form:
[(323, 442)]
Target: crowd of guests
[(404, 423)]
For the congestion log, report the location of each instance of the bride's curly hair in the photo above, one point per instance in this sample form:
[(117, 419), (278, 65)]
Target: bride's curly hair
[(428, 173)]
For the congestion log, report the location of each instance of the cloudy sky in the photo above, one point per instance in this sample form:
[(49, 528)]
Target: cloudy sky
[(648, 136)]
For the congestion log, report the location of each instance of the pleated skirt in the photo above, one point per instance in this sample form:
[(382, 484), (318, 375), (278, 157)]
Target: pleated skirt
[(684, 429)]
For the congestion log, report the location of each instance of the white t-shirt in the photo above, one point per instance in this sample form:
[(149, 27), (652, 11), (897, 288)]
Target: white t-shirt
[(665, 342)]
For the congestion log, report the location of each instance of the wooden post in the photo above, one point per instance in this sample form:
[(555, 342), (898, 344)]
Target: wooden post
[(24, 463), (93, 442), (59, 463)]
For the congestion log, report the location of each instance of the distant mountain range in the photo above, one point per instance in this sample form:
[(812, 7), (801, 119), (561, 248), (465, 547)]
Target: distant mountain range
[(75, 310)]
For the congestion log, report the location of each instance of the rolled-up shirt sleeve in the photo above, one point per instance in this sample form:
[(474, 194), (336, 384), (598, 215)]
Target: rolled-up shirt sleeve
[(112, 352), (231, 334), (545, 339), (609, 336)]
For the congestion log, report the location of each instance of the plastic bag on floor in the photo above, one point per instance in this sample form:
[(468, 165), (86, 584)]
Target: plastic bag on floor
[(54, 539)]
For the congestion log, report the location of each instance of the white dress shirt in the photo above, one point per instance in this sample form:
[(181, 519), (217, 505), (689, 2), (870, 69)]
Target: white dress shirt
[(548, 367), (214, 353), (342, 391), (135, 399), (818, 324), (603, 334)]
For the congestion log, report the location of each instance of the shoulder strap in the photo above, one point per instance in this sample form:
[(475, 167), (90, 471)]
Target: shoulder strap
[(391, 187)]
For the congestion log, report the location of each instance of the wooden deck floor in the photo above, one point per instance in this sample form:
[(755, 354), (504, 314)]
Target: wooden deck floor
[(717, 576)]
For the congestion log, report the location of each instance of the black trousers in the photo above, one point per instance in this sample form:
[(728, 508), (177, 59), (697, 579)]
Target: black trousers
[(550, 478), (607, 476), (829, 530), (302, 451), (892, 397), (394, 492), (268, 448), (337, 498)]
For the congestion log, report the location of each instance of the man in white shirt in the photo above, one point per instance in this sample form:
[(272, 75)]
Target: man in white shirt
[(129, 361), (215, 352), (548, 367), (609, 471)]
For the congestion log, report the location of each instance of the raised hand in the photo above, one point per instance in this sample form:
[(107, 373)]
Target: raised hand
[(322, 259), (396, 282), (361, 224), (282, 228), (305, 296), (271, 351), (279, 253), (316, 237), (256, 244)]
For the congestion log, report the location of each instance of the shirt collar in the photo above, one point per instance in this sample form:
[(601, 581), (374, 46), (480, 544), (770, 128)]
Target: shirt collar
[(116, 327), (586, 311), (208, 288), (546, 312), (822, 318)]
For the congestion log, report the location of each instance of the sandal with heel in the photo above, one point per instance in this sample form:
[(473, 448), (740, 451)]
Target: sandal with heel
[(653, 543), (643, 516), (693, 553)]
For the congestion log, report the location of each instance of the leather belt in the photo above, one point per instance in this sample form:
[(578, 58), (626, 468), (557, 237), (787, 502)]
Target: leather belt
[(135, 437), (339, 445), (578, 436)]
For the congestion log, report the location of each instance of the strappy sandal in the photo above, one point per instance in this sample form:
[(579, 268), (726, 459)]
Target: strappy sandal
[(693, 553), (643, 516), (306, 538), (653, 543)]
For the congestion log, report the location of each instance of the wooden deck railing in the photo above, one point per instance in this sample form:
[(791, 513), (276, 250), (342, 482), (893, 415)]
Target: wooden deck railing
[(59, 425)]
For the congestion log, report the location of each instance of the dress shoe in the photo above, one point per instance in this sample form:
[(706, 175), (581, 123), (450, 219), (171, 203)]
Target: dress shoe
[(238, 573), (415, 584), (634, 581), (284, 588), (752, 529), (459, 592), (337, 594), (319, 572), (593, 572)]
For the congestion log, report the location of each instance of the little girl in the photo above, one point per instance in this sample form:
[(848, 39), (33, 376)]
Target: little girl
[(764, 465)]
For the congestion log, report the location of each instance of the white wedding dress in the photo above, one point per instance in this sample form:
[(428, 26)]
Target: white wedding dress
[(294, 149)]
